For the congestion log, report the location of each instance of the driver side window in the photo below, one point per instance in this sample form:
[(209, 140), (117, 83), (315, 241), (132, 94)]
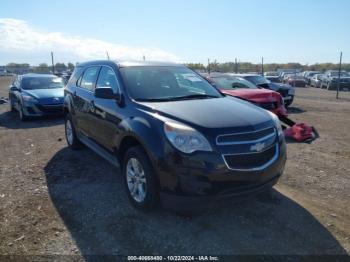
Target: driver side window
[(107, 78)]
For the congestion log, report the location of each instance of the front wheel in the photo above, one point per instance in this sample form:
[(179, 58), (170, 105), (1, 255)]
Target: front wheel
[(139, 179), (71, 136), (329, 86), (22, 115), (12, 108)]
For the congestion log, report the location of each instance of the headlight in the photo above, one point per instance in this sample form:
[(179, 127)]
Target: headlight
[(277, 123), (27, 98), (185, 138)]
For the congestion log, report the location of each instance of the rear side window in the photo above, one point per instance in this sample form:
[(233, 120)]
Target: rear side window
[(75, 75), (89, 78), (107, 78)]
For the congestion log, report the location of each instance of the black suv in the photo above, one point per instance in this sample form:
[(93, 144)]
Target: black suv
[(177, 138)]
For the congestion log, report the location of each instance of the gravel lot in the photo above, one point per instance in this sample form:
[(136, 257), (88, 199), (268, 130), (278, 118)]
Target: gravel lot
[(56, 201)]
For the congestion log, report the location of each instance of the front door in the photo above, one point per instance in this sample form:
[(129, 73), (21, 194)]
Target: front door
[(106, 114)]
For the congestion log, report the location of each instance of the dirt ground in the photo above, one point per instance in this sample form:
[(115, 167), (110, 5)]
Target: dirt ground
[(56, 201)]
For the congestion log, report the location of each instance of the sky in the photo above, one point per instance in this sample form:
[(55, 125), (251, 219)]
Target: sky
[(304, 31)]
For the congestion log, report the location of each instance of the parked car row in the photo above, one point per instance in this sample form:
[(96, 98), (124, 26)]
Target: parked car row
[(178, 140), (328, 79)]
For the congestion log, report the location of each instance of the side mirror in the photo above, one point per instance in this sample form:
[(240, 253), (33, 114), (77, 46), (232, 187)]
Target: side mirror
[(107, 93), (14, 88)]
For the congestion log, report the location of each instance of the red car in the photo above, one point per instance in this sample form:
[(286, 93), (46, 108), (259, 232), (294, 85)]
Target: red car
[(241, 88)]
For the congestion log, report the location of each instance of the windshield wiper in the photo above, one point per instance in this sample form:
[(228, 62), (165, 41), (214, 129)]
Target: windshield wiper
[(176, 98), (193, 97), (153, 99)]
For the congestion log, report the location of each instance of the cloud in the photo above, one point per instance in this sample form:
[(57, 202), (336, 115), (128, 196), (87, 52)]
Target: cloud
[(18, 35)]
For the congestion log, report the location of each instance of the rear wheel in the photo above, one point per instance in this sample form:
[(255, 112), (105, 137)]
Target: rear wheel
[(139, 179), (71, 136)]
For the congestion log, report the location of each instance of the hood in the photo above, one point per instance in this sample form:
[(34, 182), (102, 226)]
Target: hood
[(277, 86), (254, 95), (47, 96), (227, 114), (272, 77)]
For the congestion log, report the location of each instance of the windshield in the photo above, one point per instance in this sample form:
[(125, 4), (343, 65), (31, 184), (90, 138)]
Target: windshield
[(227, 82), (313, 73), (257, 80), (153, 83), (31, 83)]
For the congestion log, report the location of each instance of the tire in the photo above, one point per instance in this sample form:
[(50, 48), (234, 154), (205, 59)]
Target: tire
[(73, 141), (329, 86), (287, 104), (22, 115), (140, 180), (12, 109)]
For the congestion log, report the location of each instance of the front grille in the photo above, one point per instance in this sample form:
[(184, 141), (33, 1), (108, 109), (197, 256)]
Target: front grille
[(245, 137), (283, 92), (51, 109), (251, 161), (268, 105)]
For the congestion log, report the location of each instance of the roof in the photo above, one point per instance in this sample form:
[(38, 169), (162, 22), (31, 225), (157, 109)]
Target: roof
[(37, 75), (243, 75), (129, 63), (146, 63)]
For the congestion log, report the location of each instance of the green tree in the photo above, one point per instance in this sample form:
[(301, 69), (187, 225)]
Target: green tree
[(70, 66), (59, 67)]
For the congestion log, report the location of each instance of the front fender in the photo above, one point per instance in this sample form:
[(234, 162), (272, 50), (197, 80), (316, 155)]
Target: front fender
[(147, 132)]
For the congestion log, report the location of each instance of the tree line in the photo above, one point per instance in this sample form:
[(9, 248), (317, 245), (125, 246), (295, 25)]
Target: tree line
[(41, 68), (244, 67)]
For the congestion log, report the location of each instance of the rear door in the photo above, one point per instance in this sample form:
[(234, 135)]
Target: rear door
[(84, 99)]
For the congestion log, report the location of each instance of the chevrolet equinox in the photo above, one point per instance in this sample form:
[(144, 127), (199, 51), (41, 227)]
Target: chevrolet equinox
[(176, 138)]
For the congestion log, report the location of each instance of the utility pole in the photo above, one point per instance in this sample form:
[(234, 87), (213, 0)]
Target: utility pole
[(208, 66), (107, 55), (262, 66), (53, 65), (338, 84), (236, 66)]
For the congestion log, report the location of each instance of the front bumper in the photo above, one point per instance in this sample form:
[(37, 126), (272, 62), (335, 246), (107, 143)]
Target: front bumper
[(36, 109), (204, 179), (189, 203)]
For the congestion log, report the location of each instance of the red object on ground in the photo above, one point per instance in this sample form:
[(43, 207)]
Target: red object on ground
[(300, 132)]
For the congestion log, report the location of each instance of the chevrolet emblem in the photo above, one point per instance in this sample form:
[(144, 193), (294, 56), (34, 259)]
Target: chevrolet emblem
[(257, 147)]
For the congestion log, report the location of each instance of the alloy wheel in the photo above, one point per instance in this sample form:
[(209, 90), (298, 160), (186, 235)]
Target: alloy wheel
[(69, 132), (136, 180)]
